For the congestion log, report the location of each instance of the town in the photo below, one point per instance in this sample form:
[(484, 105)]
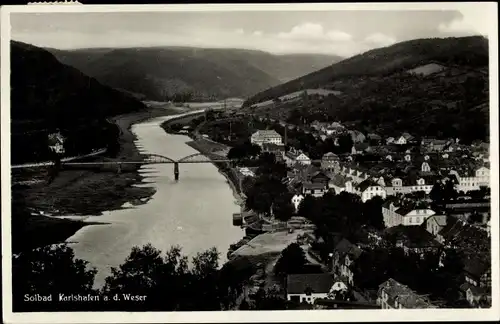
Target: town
[(382, 222), (251, 158)]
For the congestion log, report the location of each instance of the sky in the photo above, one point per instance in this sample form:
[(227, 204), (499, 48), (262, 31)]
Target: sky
[(343, 33)]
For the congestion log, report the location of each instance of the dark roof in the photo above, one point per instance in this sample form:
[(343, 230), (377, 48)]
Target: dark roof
[(374, 136), (412, 236), (476, 267), (406, 296), (362, 186), (315, 282), (361, 146), (330, 156), (273, 147), (468, 238), (408, 207), (345, 247), (440, 219), (313, 185), (339, 180), (319, 173), (407, 136)]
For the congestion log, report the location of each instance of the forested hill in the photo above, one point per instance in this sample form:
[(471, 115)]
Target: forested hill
[(47, 96), (426, 86), (42, 87), (160, 73)]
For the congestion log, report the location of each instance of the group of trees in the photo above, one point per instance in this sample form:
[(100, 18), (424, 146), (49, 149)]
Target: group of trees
[(168, 281), (291, 261), (443, 193), (180, 96), (244, 152), (421, 272), (76, 104), (381, 96), (267, 193), (342, 213)]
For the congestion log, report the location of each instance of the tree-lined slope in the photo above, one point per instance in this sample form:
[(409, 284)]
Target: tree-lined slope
[(47, 96), (431, 87)]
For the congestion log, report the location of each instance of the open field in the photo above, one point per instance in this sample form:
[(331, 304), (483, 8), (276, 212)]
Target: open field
[(269, 243)]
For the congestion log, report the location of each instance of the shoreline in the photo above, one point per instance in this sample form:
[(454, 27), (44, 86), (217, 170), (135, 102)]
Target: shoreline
[(194, 143), (75, 193)]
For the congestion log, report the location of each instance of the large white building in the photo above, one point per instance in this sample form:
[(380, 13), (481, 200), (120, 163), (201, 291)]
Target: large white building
[(407, 215), (369, 189), (472, 181), (266, 136)]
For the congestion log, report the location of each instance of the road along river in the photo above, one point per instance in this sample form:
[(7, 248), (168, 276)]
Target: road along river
[(194, 213)]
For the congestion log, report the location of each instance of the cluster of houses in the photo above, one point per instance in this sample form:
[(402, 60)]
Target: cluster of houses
[(395, 168), (475, 288), (393, 171)]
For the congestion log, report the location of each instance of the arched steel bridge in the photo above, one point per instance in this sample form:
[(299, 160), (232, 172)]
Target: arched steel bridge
[(160, 159)]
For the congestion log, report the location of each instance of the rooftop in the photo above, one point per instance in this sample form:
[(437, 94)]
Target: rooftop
[(315, 283), (404, 295), (266, 133)]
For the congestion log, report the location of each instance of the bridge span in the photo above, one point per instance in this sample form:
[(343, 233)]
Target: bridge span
[(160, 159)]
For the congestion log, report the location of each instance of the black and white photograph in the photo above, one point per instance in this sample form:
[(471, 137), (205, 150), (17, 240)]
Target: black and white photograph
[(234, 160)]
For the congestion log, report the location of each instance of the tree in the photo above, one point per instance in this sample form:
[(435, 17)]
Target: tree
[(475, 217), (269, 299), (244, 305), (449, 192), (345, 143), (292, 260), (372, 213), (145, 272), (308, 207), (282, 207), (49, 270), (437, 193)]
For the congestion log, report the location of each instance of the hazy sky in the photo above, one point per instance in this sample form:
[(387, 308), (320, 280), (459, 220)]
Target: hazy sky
[(332, 32)]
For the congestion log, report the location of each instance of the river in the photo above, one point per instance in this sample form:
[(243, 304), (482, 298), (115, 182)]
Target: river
[(194, 213)]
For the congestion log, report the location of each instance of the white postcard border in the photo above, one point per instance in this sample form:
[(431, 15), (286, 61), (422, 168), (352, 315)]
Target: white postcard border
[(484, 12)]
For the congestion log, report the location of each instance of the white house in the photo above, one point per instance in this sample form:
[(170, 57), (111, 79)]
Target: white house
[(404, 139), (435, 224), (473, 181), (246, 172), (409, 215), (266, 136), (369, 189), (296, 200), (306, 288), (401, 140), (56, 142), (303, 159), (314, 189)]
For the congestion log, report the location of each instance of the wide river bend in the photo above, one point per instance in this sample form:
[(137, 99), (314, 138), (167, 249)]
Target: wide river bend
[(194, 213)]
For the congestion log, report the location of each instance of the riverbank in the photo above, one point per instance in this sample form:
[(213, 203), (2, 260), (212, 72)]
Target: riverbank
[(223, 168), (206, 146), (81, 192)]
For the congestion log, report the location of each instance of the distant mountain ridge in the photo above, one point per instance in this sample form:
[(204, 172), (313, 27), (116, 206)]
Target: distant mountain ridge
[(158, 73), (428, 87)]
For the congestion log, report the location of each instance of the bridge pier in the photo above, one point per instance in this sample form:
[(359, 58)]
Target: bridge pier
[(176, 171)]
